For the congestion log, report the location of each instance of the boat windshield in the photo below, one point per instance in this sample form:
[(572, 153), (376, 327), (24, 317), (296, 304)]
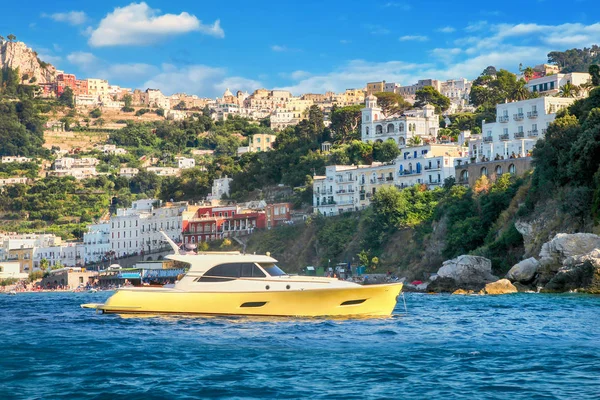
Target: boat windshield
[(272, 269)]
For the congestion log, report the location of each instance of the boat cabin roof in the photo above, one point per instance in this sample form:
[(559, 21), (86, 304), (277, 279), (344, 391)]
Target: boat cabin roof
[(202, 262)]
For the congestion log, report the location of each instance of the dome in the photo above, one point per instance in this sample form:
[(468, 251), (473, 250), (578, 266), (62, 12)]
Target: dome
[(227, 93)]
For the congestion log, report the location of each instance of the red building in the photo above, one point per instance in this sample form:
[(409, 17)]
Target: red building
[(63, 81), (81, 87), (219, 222), (278, 214)]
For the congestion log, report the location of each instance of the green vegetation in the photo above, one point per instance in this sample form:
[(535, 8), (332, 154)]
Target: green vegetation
[(575, 60), (428, 95)]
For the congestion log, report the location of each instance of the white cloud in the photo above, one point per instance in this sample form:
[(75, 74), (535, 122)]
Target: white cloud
[(50, 58), (95, 67), (345, 41), (200, 79), (138, 24), (70, 17), (502, 45), (402, 6), (447, 29), (376, 29), (476, 26), (413, 38)]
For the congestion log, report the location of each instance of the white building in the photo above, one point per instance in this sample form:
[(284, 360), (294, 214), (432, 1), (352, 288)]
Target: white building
[(110, 149), (376, 126), (155, 98), (164, 171), (220, 188), (551, 84), (12, 181), (96, 242), (458, 91), (136, 230), (87, 100), (519, 125), (15, 159), (128, 172), (185, 163), (11, 270), (68, 254), (346, 188)]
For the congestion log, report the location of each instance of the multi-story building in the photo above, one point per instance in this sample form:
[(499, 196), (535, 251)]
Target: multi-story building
[(218, 222), (128, 172), (63, 81), (375, 87), (391, 87), (15, 159), (376, 126), (137, 230), (96, 242), (261, 142), (164, 171), (13, 181), (87, 100), (155, 98), (29, 249), (220, 188), (551, 84), (457, 90), (518, 126), (81, 88), (98, 87), (346, 188), (185, 163), (409, 92), (277, 214)]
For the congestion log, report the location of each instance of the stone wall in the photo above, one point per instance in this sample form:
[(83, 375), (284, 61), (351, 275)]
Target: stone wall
[(474, 170)]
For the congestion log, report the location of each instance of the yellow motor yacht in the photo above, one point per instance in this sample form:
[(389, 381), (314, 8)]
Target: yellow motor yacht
[(231, 283)]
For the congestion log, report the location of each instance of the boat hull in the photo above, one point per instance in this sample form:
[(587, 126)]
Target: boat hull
[(369, 300)]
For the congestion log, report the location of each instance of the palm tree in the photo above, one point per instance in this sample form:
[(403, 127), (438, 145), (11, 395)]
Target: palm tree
[(569, 90), (520, 92), (414, 141), (528, 73), (587, 86), (11, 38)]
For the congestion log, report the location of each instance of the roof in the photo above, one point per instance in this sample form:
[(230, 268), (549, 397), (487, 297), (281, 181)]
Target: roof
[(202, 262)]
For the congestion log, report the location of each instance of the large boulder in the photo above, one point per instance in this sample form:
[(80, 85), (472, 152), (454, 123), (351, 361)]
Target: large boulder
[(463, 272), (580, 273), (562, 247), (523, 272), (503, 286)]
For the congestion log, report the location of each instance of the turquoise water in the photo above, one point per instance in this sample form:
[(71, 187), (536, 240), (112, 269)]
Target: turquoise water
[(480, 347)]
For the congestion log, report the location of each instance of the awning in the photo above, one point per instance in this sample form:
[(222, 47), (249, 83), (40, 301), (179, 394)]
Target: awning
[(129, 275)]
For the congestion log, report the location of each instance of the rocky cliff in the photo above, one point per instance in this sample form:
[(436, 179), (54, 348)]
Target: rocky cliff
[(18, 55)]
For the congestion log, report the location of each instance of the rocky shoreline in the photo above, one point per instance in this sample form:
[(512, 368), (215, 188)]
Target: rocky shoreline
[(567, 263)]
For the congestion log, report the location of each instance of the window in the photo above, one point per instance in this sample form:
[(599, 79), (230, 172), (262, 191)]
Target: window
[(272, 269), (231, 271)]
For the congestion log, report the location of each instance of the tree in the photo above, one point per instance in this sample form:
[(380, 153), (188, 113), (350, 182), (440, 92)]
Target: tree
[(11, 38), (96, 113), (44, 264), (1, 38), (569, 90), (428, 95), (490, 71), (594, 71), (180, 106), (127, 99), (345, 122), (66, 98), (520, 92), (386, 151), (414, 141), (391, 103), (528, 73)]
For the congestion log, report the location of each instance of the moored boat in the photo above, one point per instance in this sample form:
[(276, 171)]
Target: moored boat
[(231, 283)]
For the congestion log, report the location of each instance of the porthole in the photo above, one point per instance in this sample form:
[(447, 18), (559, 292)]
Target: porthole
[(267, 287), (288, 287)]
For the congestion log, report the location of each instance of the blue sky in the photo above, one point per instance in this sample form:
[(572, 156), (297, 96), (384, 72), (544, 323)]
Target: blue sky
[(202, 47)]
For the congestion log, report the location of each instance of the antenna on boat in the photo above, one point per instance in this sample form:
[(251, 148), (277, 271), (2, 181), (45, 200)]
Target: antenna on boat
[(171, 242)]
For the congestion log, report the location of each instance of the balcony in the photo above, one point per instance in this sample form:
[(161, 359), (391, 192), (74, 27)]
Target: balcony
[(434, 182), (518, 117), (344, 191), (488, 139), (503, 118), (432, 167), (519, 135), (411, 172), (532, 114), (389, 178), (401, 186), (505, 136), (544, 131), (533, 133)]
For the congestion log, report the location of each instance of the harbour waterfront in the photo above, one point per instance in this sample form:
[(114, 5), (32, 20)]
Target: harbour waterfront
[(521, 346)]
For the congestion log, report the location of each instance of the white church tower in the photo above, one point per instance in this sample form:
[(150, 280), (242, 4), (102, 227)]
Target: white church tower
[(370, 114)]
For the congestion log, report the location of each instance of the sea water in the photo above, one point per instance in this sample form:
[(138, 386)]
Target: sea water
[(521, 346)]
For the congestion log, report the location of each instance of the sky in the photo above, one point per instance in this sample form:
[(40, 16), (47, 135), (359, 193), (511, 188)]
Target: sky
[(204, 47)]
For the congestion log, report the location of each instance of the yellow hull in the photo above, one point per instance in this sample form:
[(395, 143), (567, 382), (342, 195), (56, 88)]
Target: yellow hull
[(370, 300)]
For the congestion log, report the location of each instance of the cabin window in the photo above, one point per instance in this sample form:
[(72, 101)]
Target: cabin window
[(272, 269), (230, 271)]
